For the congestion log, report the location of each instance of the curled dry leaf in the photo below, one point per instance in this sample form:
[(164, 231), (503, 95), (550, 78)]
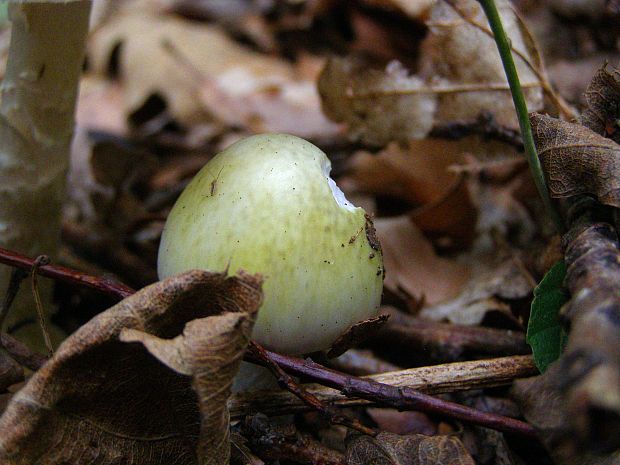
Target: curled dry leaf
[(393, 104), (415, 449), (210, 351), (203, 75), (412, 264), (419, 173), (576, 160), (602, 114), (103, 400)]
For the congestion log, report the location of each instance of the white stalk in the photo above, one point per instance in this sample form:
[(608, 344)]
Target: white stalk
[(38, 93)]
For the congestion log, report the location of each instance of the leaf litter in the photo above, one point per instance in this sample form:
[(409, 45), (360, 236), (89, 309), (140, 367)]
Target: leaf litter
[(380, 85)]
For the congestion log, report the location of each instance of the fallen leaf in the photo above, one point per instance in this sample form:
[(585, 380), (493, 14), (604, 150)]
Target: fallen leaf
[(99, 399), (271, 441), (602, 113), (419, 174), (378, 105), (210, 351), (412, 265), (240, 453), (415, 449), (487, 292), (459, 36), (224, 81), (576, 160)]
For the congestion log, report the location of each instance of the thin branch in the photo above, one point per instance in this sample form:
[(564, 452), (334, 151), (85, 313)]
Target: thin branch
[(440, 89), (399, 397), (484, 126), (40, 261), (285, 381), (102, 284), (448, 342), (21, 353), (17, 276), (435, 379)]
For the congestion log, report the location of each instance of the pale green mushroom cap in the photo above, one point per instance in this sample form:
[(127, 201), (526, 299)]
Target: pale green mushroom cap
[(266, 205)]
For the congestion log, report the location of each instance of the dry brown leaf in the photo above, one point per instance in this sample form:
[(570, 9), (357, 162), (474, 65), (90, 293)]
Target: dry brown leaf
[(576, 160), (210, 351), (412, 265), (416, 449), (378, 106), (100, 106), (460, 54), (484, 294), (419, 174), (602, 114), (202, 74), (103, 400)]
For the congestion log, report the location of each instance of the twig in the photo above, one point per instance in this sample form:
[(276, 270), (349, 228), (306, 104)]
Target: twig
[(485, 126), (435, 379), (286, 382), (39, 262), (21, 353), (448, 342), (17, 276), (503, 45), (102, 284), (399, 397), (11, 372)]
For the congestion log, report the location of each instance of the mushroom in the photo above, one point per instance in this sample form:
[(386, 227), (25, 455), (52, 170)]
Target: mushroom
[(267, 205)]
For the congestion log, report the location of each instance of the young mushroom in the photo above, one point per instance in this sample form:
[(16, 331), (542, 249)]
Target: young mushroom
[(267, 205)]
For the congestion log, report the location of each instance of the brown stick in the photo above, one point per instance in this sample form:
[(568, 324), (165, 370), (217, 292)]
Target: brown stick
[(285, 381), (102, 284), (485, 126), (448, 342), (436, 379), (399, 397), (21, 353)]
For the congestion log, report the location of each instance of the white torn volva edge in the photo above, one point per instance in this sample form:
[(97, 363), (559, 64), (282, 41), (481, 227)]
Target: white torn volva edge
[(336, 192)]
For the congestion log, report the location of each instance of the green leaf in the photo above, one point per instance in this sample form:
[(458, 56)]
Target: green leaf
[(544, 333)]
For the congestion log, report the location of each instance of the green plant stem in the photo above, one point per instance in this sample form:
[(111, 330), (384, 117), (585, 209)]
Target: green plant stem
[(504, 47)]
